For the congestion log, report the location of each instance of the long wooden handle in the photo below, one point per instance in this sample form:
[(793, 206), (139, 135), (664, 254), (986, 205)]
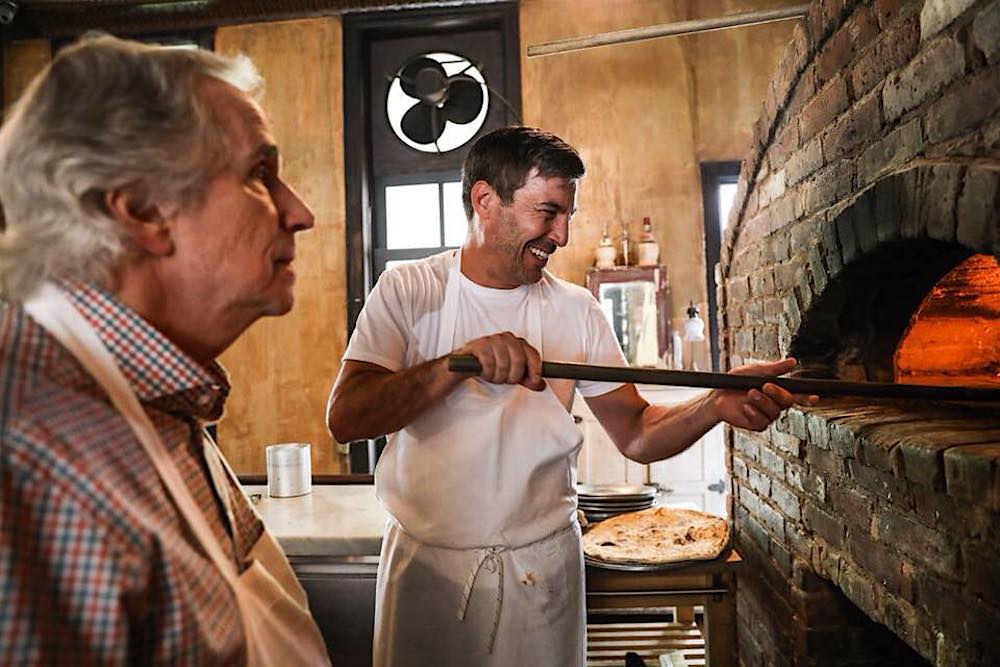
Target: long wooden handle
[(466, 363)]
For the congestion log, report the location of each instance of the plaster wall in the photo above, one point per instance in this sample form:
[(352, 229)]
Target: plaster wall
[(732, 71)]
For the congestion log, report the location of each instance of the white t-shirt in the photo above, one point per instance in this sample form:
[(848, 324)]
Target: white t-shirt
[(399, 325)]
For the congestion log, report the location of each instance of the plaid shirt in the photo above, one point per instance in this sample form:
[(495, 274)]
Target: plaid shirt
[(84, 576)]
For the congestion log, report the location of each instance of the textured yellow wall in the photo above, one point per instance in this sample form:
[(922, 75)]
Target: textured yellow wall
[(282, 368), (732, 70)]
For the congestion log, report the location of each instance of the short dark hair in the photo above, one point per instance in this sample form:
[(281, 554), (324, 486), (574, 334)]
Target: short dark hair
[(504, 158)]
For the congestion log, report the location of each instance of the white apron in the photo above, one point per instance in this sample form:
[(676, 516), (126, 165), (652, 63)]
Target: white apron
[(278, 627), (481, 562)]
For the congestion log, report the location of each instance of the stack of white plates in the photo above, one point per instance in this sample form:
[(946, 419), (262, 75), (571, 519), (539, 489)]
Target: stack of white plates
[(602, 501)]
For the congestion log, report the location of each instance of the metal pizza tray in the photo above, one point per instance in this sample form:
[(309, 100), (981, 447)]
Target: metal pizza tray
[(596, 517), (625, 566)]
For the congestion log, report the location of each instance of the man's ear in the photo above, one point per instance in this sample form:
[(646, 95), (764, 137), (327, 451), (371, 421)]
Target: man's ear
[(484, 198), (145, 224)]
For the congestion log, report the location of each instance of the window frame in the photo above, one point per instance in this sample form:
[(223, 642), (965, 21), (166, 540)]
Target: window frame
[(361, 186)]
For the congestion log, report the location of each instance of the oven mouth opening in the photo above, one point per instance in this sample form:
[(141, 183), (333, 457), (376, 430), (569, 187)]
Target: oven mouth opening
[(912, 311)]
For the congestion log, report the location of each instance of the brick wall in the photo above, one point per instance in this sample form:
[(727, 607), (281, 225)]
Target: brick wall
[(871, 530)]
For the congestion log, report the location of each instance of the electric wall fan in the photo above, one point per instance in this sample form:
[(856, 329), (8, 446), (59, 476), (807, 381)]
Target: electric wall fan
[(437, 101)]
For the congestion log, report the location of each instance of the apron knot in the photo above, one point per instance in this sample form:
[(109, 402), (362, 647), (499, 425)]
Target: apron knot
[(491, 558)]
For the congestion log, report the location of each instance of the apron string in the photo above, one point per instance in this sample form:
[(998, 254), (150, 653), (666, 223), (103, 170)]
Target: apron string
[(490, 556)]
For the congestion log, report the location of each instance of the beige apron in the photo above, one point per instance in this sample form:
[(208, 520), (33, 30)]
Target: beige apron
[(486, 569), (277, 625)]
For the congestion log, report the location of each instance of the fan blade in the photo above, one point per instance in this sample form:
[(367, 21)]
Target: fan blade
[(465, 99), (423, 124), (424, 79)]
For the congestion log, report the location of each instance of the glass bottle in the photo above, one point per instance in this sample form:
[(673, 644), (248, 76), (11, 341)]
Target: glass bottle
[(626, 261)]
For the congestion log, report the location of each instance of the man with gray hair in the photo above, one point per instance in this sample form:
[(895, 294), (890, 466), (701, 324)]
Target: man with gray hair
[(146, 227)]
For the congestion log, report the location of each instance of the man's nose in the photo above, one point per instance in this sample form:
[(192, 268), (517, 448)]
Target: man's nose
[(559, 233), (295, 213)]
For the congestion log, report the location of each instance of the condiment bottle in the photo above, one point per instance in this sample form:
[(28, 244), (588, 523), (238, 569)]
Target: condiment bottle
[(625, 246)]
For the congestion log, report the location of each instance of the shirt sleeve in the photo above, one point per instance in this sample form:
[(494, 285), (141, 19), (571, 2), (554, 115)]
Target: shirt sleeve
[(602, 350), (380, 336)]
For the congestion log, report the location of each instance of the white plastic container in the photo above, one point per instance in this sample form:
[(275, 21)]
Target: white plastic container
[(289, 469)]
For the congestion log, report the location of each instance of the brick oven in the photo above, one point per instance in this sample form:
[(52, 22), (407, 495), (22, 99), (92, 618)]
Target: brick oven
[(871, 528)]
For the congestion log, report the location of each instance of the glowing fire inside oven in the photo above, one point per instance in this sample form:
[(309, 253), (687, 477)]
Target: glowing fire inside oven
[(954, 337)]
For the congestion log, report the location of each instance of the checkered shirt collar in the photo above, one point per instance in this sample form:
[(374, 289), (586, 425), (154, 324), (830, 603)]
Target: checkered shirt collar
[(159, 372)]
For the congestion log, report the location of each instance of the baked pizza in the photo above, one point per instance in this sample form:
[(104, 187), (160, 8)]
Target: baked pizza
[(657, 535)]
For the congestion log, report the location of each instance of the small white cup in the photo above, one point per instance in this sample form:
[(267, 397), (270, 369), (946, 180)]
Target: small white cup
[(289, 469)]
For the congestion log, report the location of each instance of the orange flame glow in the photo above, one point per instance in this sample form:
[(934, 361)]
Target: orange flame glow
[(954, 337)]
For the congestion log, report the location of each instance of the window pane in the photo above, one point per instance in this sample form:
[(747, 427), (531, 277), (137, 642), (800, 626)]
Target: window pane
[(412, 216), (726, 193), (455, 224)]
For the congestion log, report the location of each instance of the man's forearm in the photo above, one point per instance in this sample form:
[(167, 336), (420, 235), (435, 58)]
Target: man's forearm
[(647, 433), (666, 431), (369, 403)]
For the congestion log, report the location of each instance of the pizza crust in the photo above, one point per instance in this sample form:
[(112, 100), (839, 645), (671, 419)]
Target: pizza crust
[(657, 535)]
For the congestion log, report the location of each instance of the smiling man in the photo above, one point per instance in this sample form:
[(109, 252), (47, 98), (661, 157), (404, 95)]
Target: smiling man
[(147, 227), (481, 561)]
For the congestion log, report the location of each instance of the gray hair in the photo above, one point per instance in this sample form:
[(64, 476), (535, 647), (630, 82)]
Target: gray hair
[(106, 113)]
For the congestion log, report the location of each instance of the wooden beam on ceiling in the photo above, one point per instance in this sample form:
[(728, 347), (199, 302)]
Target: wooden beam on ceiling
[(67, 19)]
